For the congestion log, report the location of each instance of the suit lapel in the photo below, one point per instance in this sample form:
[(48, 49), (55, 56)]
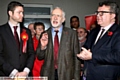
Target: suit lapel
[(10, 35), (94, 36), (105, 37), (63, 39), (102, 40), (50, 39), (21, 42), (63, 47)]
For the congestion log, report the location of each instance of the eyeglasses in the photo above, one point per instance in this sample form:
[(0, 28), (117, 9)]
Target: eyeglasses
[(102, 12)]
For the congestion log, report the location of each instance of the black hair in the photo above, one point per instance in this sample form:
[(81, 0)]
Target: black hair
[(39, 24), (12, 5), (74, 17), (113, 6)]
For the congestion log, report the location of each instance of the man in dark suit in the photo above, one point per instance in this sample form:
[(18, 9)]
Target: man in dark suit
[(66, 66), (16, 47), (102, 53)]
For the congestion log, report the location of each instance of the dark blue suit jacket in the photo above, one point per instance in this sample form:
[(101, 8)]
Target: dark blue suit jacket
[(105, 63)]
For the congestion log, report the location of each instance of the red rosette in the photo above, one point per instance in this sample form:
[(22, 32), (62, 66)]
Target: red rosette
[(110, 33), (24, 37)]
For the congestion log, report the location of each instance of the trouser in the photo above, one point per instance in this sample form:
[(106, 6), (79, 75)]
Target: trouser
[(56, 74)]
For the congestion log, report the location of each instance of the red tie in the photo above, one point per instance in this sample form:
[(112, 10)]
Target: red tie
[(56, 47), (16, 36)]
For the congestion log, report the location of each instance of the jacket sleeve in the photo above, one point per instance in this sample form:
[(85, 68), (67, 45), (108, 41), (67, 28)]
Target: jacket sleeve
[(30, 51), (40, 53), (4, 65)]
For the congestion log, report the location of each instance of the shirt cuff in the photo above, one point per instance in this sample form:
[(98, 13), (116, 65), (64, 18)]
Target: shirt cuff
[(26, 70), (13, 73)]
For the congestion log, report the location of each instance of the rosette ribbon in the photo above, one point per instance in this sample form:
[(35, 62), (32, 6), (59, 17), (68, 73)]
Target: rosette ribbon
[(24, 37)]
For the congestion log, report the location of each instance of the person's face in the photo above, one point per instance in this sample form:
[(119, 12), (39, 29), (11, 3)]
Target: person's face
[(81, 33), (17, 14), (39, 30), (57, 18), (31, 27), (104, 17), (75, 23)]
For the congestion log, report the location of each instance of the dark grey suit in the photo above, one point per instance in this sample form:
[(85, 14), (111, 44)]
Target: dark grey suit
[(11, 57), (68, 64)]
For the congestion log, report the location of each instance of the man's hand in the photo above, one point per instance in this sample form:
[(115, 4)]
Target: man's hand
[(21, 74), (44, 40), (85, 54)]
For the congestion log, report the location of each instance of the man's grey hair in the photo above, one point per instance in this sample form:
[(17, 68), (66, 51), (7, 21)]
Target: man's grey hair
[(63, 13)]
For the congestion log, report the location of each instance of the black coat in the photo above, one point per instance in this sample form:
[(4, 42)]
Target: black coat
[(11, 57)]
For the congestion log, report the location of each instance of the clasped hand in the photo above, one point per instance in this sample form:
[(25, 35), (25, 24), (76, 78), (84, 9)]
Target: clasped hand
[(22, 75), (85, 54)]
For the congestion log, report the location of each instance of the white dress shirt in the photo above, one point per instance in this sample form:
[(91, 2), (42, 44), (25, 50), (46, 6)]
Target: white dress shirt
[(106, 29)]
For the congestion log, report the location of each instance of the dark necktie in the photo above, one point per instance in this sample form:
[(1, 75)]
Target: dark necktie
[(100, 36), (16, 36), (56, 47), (101, 33)]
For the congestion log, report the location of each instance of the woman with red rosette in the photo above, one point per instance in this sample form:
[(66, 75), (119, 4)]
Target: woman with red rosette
[(39, 28)]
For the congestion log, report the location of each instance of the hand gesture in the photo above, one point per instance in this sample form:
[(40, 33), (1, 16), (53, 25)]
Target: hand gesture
[(85, 54)]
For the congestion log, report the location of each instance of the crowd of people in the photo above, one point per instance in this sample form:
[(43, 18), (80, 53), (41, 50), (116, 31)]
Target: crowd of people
[(60, 52)]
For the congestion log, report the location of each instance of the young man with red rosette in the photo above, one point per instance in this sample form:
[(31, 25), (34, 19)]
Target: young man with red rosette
[(16, 46)]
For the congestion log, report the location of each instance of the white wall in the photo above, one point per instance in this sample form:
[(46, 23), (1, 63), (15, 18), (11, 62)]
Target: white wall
[(79, 8)]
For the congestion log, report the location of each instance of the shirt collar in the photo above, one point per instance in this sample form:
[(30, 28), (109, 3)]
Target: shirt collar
[(107, 27), (60, 29), (11, 25)]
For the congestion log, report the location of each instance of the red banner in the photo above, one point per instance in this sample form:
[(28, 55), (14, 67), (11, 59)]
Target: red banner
[(90, 20)]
